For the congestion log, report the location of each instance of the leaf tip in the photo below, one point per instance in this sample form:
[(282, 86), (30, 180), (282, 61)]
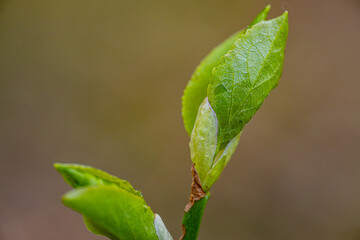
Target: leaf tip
[(59, 167), (285, 14), (70, 175), (267, 8), (68, 198)]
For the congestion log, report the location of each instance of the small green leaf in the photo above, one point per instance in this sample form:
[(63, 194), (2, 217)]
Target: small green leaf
[(221, 159), (161, 229), (122, 215), (246, 76), (80, 176), (203, 139), (196, 89)]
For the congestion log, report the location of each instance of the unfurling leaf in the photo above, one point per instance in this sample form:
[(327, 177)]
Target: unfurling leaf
[(203, 139), (203, 147), (110, 206), (246, 75)]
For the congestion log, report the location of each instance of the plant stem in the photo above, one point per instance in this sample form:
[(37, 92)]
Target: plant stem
[(195, 208), (192, 218)]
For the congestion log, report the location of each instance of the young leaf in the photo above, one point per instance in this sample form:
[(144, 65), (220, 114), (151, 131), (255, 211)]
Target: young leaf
[(203, 139), (80, 176), (120, 214), (246, 75), (196, 89)]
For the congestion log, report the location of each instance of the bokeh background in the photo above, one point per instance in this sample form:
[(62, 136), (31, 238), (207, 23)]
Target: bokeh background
[(99, 82)]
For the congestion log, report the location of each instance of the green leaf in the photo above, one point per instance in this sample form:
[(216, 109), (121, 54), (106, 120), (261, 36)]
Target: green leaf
[(221, 159), (84, 177), (80, 175), (161, 229), (122, 215), (203, 147), (246, 75), (203, 139), (196, 89)]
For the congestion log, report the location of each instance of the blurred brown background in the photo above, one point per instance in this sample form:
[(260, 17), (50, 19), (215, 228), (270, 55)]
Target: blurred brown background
[(99, 82)]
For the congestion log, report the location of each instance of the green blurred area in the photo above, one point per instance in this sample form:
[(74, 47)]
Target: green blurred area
[(100, 83)]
